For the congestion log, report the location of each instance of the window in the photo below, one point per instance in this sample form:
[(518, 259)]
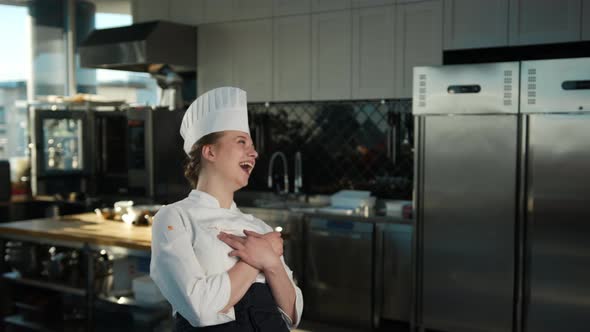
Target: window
[(2, 115), (14, 72), (17, 63)]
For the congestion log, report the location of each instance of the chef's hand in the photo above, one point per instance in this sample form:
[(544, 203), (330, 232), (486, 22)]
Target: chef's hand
[(255, 251), (275, 239)]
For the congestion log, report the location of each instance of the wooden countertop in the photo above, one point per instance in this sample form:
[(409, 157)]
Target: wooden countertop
[(82, 228), (93, 229)]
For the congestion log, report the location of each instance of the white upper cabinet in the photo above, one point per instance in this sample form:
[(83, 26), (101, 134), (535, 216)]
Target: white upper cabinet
[(149, 10), (217, 10), (418, 41), (544, 21), (292, 58), (214, 56), (329, 5), (186, 11), (251, 9), (586, 20), (331, 55), (373, 53), (252, 58), (290, 7), (371, 3), (475, 23)]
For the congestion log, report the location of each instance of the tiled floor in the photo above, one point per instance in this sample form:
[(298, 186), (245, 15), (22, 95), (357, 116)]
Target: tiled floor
[(307, 326), (317, 327)]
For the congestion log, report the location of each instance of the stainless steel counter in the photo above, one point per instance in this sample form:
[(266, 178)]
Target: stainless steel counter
[(372, 217), (269, 203), (353, 269)]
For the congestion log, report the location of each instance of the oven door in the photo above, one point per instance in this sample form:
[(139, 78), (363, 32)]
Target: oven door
[(139, 152), (110, 157)]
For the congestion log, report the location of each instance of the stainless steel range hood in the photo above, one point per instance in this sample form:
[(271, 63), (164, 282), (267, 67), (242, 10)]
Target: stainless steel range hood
[(138, 46)]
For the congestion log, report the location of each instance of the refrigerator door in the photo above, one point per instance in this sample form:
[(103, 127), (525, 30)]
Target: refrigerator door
[(466, 215), (558, 225)]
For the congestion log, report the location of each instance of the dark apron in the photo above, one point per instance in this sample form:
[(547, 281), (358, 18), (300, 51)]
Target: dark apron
[(257, 311)]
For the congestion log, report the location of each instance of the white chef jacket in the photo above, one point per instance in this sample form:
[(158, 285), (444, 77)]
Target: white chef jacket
[(196, 282)]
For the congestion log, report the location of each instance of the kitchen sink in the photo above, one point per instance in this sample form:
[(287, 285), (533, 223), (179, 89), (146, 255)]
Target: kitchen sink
[(288, 205), (270, 200)]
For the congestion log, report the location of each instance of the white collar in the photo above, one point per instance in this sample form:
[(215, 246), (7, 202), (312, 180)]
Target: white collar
[(209, 200)]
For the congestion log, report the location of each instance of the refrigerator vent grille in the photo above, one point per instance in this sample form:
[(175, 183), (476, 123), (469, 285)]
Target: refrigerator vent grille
[(508, 88), (532, 86), (422, 90)]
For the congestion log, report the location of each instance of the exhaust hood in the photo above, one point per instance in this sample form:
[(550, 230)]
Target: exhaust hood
[(138, 47)]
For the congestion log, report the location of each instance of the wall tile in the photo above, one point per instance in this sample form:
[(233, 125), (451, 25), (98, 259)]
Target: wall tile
[(344, 145)]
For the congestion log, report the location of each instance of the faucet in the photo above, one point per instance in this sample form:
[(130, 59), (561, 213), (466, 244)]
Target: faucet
[(285, 170), (298, 181)]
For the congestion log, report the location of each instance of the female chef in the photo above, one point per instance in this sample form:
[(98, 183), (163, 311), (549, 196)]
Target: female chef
[(221, 269)]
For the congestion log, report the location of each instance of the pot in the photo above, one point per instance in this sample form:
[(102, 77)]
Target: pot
[(22, 257), (63, 266)]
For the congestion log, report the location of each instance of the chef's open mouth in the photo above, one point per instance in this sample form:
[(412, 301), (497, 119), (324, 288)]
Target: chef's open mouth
[(247, 166)]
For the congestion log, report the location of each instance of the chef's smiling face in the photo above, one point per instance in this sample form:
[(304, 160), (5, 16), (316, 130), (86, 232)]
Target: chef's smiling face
[(235, 157)]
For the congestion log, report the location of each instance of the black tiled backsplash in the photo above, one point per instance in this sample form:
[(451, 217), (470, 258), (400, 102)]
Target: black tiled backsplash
[(344, 145)]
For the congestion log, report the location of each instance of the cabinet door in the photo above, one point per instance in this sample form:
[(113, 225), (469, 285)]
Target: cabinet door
[(214, 56), (187, 11), (252, 58), (149, 10), (291, 7), (250, 9), (218, 10), (397, 272), (338, 272), (331, 55), (372, 53), (476, 23), (544, 21), (419, 41), (586, 20), (292, 58), (328, 5)]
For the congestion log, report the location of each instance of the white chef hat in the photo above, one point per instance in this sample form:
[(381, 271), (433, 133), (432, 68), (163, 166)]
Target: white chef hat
[(216, 110)]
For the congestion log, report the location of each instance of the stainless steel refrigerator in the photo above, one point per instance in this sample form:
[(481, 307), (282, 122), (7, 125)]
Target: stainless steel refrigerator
[(502, 198), (555, 107)]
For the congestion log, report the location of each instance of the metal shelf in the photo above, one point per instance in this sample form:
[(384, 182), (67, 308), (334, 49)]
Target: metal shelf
[(18, 320), (15, 277)]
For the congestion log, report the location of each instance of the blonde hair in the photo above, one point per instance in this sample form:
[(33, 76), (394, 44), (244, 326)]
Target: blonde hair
[(192, 165)]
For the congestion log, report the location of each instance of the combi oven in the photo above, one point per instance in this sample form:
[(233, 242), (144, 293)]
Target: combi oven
[(138, 153), (124, 153)]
